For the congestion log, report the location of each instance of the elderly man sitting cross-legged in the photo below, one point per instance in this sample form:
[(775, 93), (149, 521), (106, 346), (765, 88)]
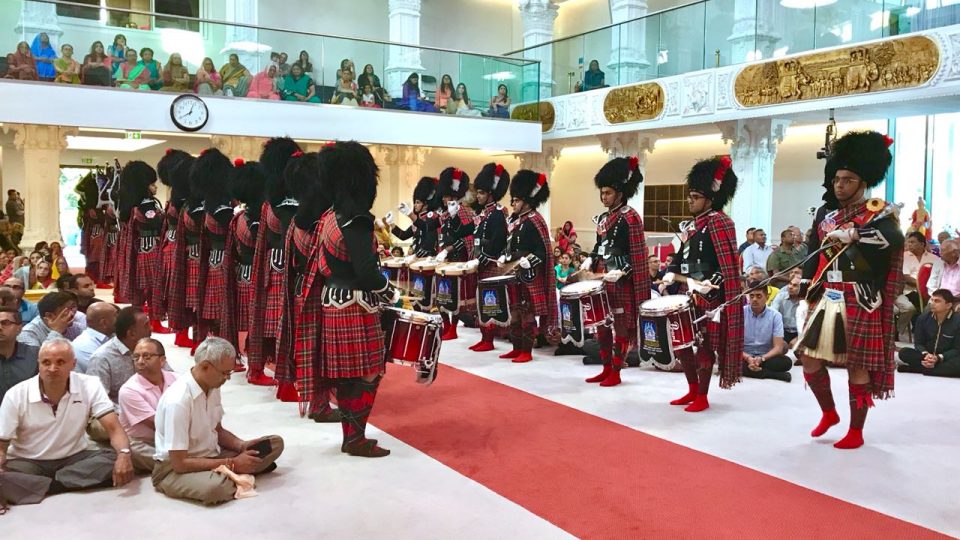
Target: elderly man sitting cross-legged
[(42, 428), (191, 443), (138, 400)]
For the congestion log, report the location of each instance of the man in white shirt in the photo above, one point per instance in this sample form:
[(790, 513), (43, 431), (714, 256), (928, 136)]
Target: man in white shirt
[(192, 444), (138, 399), (43, 422), (758, 252), (908, 304), (101, 318), (947, 274)]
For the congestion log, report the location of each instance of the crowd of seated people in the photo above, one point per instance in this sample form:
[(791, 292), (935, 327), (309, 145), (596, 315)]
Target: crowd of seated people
[(122, 66)]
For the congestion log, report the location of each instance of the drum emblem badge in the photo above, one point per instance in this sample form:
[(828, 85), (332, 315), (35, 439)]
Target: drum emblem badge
[(418, 284), (489, 298), (565, 313), (443, 287), (649, 331)]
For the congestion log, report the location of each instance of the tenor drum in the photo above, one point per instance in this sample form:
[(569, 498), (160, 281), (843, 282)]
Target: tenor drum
[(421, 283), (455, 287), (494, 296), (413, 339), (395, 271), (583, 307), (666, 327)]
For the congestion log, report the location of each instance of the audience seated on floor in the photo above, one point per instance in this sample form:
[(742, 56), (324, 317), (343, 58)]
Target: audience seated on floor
[(138, 400), (785, 303), (936, 339), (910, 303), (786, 255), (758, 274), (8, 299), (43, 277), (58, 318), (18, 361), (763, 345), (42, 429), (758, 252), (82, 286), (101, 321), (193, 447), (947, 274), (113, 362), (28, 309)]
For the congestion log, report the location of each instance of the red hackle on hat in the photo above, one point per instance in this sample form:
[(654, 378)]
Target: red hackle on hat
[(541, 181), (168, 151), (725, 163), (888, 140), (457, 175), (329, 144), (634, 163), (298, 153), (497, 173), (204, 151), (238, 162)]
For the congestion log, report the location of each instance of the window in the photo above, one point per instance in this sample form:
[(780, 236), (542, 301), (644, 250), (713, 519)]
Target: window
[(945, 180), (910, 164), (122, 19)]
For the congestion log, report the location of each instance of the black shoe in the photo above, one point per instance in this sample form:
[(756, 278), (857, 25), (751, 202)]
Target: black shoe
[(785, 376)]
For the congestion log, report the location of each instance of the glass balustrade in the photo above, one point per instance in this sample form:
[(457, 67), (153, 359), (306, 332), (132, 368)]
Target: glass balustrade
[(236, 61), (716, 33)]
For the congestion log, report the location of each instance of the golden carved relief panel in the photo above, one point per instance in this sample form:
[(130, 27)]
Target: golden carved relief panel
[(891, 65), (633, 103), (535, 112)]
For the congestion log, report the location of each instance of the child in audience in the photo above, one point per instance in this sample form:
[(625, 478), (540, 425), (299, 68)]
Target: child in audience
[(564, 268), (369, 99)]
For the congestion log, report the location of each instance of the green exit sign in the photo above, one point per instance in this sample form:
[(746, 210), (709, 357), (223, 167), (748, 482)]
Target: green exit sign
[(133, 134), (87, 160)]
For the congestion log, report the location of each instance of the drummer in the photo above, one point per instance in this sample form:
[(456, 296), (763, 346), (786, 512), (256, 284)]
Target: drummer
[(456, 232), (490, 236), (620, 251), (529, 246), (709, 265), (425, 216)]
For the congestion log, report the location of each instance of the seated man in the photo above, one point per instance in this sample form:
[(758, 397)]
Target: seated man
[(58, 318), (909, 303), (787, 255), (8, 299), (758, 274), (763, 356), (81, 285), (139, 397), (786, 303), (936, 339), (191, 443), (113, 361), (18, 361), (28, 310), (101, 319), (42, 423)]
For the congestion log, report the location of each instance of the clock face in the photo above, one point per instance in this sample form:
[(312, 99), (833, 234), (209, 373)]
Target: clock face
[(189, 112)]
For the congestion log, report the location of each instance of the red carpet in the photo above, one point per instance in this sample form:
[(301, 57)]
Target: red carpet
[(598, 479)]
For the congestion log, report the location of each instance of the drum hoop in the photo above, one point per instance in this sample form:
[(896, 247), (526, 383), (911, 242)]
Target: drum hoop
[(578, 290)]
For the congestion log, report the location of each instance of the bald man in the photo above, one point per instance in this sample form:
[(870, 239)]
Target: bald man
[(947, 274), (101, 319)]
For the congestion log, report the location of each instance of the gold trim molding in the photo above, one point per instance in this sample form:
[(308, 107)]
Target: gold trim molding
[(536, 112), (890, 65), (633, 103)]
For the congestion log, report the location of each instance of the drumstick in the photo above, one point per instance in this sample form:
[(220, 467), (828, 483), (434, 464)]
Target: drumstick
[(509, 268)]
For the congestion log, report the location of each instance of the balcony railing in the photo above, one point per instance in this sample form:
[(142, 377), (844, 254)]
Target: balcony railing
[(715, 33), (260, 76)]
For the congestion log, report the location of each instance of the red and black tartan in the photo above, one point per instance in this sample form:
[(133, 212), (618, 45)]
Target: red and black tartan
[(267, 293), (195, 266), (542, 291), (94, 237), (307, 323), (353, 340), (137, 271), (181, 315), (239, 292), (627, 294), (108, 249), (215, 276), (159, 295), (297, 241)]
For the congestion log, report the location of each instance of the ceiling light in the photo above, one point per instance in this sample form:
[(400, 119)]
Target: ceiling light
[(806, 4), (110, 144)]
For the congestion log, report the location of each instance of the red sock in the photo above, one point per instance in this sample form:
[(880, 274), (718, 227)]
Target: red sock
[(512, 354), (688, 397), (602, 376), (482, 346), (158, 328), (700, 403), (829, 419), (287, 392), (854, 439), (259, 378), (523, 358), (613, 379)]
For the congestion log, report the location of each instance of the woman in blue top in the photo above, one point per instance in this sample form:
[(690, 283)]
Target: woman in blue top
[(593, 78), (43, 56), (412, 97), (118, 51)]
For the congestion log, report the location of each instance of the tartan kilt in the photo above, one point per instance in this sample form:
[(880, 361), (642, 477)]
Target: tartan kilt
[(306, 338), (710, 331), (866, 341), (146, 275), (623, 307), (274, 309), (244, 300), (287, 370), (193, 284), (352, 344), (214, 292), (95, 243), (168, 262), (108, 258), (487, 270), (536, 294)]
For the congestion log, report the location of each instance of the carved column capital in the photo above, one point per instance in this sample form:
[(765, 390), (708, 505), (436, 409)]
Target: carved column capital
[(541, 162), (39, 137), (248, 148), (632, 143)]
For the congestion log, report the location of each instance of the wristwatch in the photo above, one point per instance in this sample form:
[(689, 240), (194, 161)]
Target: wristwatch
[(125, 451)]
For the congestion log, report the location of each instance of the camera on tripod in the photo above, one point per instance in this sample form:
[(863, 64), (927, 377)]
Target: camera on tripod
[(829, 138)]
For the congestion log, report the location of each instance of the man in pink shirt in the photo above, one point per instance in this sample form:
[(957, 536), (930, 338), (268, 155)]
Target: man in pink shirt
[(138, 398), (947, 275)]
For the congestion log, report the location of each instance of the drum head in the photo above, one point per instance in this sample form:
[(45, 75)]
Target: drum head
[(392, 262), (665, 304), (423, 265), (408, 315), (498, 280), (452, 269), (582, 287)]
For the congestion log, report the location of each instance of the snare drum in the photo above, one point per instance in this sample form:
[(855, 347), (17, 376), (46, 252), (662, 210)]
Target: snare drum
[(421, 283), (494, 296), (666, 327), (413, 339), (395, 271), (455, 287), (583, 307)]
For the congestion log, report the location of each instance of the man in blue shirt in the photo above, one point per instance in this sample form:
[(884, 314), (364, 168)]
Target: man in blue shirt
[(28, 310), (763, 345)]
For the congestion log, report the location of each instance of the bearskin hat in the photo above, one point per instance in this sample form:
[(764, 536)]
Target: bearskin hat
[(180, 177), (304, 181), (428, 192), (135, 179), (714, 179), (493, 179), (247, 185), (210, 176), (531, 187), (273, 160), (453, 182), (621, 174), (865, 153), (166, 164), (352, 174)]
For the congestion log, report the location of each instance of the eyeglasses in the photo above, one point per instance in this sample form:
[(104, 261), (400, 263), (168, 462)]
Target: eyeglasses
[(695, 197), (7, 324), (146, 355)]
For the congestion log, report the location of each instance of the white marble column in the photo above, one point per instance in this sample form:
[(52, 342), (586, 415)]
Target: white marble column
[(542, 162), (753, 149), (753, 31), (241, 40), (400, 169), (538, 17), (628, 56), (37, 148), (404, 16), (628, 144), (36, 17)]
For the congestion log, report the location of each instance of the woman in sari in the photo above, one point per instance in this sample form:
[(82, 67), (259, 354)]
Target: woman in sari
[(97, 67), (566, 237), (413, 98), (42, 278), (117, 52), (68, 69), (44, 55), (264, 85), (132, 74), (299, 87), (207, 81), (235, 77), (176, 78), (153, 67), (20, 64)]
